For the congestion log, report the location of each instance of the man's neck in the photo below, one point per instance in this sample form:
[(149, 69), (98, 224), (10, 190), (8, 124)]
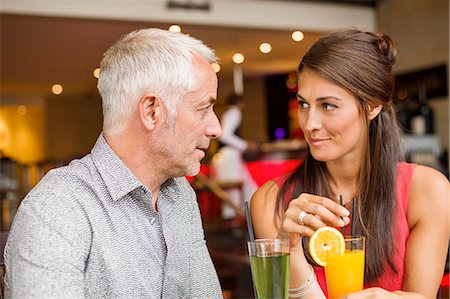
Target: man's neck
[(135, 156)]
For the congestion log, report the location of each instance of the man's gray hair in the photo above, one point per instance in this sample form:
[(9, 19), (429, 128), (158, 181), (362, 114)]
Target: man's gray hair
[(147, 60)]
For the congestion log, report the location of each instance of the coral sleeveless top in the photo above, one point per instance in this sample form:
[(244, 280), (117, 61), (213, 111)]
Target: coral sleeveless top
[(389, 280)]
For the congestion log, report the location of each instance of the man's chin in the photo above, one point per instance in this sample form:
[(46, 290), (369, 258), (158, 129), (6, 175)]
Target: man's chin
[(193, 170)]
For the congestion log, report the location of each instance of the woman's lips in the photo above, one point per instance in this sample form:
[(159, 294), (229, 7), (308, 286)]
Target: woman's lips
[(318, 141)]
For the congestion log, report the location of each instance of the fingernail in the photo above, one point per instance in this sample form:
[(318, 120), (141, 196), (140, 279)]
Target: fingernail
[(341, 222), (346, 212)]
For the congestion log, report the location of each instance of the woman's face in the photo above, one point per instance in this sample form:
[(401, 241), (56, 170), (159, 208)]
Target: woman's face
[(330, 119)]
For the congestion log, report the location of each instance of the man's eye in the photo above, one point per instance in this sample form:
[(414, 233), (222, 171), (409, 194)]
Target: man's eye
[(205, 109)]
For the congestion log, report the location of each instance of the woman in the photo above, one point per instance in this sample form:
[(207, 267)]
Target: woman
[(346, 110)]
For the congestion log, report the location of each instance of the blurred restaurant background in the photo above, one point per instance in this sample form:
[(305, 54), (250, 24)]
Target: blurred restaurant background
[(50, 109)]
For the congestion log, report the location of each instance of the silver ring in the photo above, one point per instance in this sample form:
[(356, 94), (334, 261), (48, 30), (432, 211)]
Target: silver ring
[(302, 215)]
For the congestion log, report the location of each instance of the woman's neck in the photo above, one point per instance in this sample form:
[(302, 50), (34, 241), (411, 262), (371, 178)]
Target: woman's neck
[(343, 180)]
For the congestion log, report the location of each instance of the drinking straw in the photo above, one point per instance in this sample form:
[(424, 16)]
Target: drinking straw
[(248, 217), (340, 202), (353, 217), (251, 236), (352, 246)]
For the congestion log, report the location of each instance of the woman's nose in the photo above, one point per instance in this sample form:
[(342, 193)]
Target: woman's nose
[(313, 121)]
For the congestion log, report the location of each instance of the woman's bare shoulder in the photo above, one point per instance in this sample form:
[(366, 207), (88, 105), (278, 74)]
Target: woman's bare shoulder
[(262, 209), (427, 179), (429, 191), (266, 193)]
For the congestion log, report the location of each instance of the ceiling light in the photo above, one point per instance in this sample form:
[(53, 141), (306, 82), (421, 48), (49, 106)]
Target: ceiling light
[(57, 89), (216, 67), (238, 58), (297, 36), (175, 28), (22, 110), (265, 48), (96, 72)]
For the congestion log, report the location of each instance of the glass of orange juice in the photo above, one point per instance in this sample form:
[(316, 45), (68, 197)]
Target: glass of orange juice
[(345, 271)]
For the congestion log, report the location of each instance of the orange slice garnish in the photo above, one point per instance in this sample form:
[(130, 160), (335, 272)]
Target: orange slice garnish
[(325, 240)]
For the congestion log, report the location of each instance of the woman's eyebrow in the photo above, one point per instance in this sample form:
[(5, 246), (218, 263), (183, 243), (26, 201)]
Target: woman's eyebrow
[(320, 99)]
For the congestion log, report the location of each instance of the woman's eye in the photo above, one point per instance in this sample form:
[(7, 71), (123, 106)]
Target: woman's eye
[(327, 106), (302, 105)]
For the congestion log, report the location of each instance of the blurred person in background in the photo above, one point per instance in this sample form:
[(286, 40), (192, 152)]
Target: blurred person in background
[(228, 163), (123, 222), (346, 111)]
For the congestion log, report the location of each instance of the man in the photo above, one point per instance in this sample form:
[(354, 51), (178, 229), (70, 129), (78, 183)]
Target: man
[(123, 222)]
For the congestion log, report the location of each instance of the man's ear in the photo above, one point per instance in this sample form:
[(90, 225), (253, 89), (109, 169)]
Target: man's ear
[(150, 110), (374, 111)]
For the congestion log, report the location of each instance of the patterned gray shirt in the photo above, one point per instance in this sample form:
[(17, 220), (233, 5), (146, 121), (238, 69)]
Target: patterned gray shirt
[(89, 230)]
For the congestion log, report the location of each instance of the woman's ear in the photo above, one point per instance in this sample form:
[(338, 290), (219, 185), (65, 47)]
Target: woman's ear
[(150, 111), (374, 111)]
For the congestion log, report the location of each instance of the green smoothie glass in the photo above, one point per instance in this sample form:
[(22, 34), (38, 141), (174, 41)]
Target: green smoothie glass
[(269, 262)]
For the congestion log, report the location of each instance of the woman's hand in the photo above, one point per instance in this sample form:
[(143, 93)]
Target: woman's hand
[(307, 213), (377, 293)]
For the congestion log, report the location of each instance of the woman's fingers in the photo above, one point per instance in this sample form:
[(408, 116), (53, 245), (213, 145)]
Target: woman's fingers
[(308, 212), (320, 201), (290, 225), (320, 211)]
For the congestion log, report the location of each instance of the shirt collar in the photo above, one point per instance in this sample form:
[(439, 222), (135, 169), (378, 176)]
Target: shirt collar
[(117, 176)]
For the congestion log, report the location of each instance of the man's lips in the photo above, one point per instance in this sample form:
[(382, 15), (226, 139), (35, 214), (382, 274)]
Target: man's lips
[(202, 149)]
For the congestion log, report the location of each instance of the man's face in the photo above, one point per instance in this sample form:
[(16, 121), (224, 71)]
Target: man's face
[(194, 126)]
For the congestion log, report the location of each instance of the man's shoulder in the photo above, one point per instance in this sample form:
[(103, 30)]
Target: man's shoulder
[(77, 170), (64, 182)]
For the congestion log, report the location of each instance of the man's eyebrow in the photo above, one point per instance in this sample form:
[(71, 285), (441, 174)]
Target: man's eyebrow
[(207, 102), (211, 101)]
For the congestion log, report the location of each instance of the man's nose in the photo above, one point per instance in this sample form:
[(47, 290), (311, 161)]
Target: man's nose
[(214, 130)]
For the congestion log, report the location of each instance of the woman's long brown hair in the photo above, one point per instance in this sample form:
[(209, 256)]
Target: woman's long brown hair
[(361, 62)]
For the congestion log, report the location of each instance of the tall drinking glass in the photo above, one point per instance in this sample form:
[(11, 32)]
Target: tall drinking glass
[(269, 262), (345, 272)]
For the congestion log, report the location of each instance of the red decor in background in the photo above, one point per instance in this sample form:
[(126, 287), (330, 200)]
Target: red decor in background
[(208, 203), (263, 171), (445, 280), (444, 290)]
